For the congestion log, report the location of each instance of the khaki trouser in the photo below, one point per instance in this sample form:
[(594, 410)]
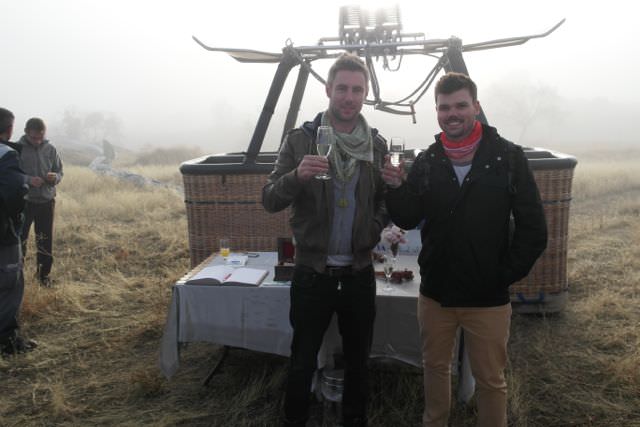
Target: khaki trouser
[(486, 332)]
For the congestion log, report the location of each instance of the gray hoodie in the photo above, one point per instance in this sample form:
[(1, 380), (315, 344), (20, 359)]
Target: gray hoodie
[(38, 161)]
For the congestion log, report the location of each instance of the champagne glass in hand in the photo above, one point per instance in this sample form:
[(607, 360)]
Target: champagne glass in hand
[(324, 144), (396, 150)]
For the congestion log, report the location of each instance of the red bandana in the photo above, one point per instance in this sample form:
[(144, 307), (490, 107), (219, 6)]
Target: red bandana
[(461, 152)]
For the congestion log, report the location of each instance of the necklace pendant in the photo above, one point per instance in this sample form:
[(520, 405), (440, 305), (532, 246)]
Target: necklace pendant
[(343, 203)]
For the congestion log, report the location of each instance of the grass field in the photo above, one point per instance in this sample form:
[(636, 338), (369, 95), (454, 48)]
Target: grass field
[(119, 248)]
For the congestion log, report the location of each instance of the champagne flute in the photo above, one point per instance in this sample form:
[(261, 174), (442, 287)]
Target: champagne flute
[(396, 150), (387, 265), (225, 248), (324, 143), (394, 251), (394, 255)]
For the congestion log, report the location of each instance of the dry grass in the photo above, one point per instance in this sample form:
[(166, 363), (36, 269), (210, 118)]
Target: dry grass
[(119, 248), (580, 367)]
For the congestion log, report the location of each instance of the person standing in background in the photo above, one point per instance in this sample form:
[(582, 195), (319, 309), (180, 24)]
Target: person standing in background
[(12, 191), (40, 161)]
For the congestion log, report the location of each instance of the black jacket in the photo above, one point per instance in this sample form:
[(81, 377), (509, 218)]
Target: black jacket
[(13, 145), (12, 191), (469, 257)]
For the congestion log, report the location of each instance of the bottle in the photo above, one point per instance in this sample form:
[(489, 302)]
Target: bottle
[(331, 387)]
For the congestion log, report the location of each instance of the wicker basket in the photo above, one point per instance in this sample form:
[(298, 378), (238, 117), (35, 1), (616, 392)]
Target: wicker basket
[(222, 197), (545, 288)]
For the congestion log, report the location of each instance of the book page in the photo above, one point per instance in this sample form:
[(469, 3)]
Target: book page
[(211, 275), (246, 276)]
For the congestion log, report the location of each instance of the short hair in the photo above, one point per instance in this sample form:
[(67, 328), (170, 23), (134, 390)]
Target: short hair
[(348, 62), (453, 82), (36, 124), (6, 120)]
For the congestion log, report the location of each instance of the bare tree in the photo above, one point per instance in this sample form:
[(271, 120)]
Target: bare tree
[(92, 127), (534, 111)]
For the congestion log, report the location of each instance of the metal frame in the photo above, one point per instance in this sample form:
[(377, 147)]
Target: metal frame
[(448, 51)]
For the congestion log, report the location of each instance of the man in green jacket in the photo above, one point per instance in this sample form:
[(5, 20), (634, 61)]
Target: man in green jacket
[(336, 223), (41, 162)]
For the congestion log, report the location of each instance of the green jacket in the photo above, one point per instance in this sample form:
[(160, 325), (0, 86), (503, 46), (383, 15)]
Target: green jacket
[(38, 161), (312, 202)]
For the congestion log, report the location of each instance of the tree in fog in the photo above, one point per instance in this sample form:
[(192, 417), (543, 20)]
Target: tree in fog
[(91, 127), (530, 113)]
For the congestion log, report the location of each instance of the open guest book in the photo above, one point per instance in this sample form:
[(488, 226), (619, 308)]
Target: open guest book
[(227, 275)]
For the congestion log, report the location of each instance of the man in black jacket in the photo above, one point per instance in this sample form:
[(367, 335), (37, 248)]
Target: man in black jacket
[(466, 187), (12, 191)]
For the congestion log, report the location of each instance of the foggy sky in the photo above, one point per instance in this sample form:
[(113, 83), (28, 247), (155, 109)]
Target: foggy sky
[(136, 60)]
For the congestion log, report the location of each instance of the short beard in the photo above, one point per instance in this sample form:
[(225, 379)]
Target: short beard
[(337, 117)]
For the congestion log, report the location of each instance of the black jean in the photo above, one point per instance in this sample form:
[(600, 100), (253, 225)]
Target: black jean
[(11, 289), (314, 299), (41, 215)]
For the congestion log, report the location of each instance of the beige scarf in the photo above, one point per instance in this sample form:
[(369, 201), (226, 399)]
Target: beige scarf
[(349, 148)]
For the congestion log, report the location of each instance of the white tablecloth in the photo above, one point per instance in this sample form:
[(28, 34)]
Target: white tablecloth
[(257, 318)]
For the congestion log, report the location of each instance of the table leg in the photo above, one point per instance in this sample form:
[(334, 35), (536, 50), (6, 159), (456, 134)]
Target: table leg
[(225, 352)]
